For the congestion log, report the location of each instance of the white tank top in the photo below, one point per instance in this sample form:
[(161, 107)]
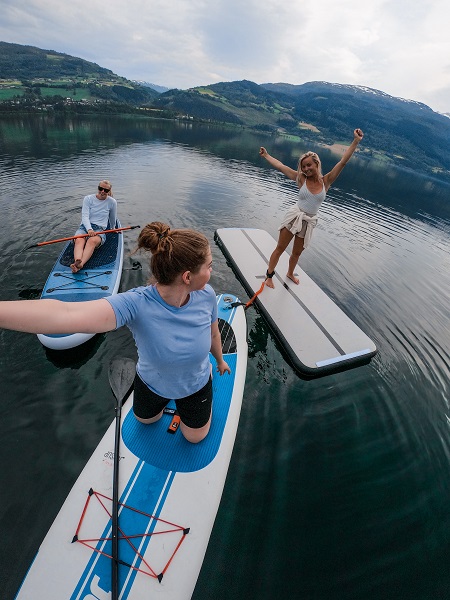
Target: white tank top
[(308, 202)]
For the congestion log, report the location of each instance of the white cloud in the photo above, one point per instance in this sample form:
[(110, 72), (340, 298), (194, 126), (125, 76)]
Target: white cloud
[(399, 47)]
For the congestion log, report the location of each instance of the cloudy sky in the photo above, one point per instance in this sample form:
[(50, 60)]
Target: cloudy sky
[(400, 47)]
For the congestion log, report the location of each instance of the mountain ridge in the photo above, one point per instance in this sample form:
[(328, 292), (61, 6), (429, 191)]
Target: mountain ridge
[(404, 132), (345, 87), (30, 70), (154, 86)]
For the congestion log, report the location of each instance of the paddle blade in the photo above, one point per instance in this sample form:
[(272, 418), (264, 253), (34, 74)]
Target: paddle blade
[(121, 377)]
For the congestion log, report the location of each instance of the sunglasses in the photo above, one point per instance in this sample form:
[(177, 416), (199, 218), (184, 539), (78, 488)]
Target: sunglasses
[(102, 189)]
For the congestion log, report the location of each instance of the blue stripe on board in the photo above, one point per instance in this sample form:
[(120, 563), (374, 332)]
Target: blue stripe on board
[(96, 579), (128, 575)]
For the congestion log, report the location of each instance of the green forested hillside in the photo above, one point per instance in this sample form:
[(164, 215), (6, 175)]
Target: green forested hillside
[(406, 133), (28, 62), (410, 131), (242, 102), (26, 71)]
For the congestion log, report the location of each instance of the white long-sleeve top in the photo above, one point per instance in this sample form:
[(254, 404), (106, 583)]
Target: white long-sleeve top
[(100, 212)]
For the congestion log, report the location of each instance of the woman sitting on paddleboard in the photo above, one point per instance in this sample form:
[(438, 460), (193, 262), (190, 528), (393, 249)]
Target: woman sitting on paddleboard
[(173, 321), (98, 209), (301, 219)]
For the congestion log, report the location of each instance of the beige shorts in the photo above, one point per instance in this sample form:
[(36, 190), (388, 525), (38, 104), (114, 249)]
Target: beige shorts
[(302, 232)]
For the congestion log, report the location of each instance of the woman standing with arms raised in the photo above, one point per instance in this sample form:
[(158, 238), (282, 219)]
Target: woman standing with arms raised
[(301, 219)]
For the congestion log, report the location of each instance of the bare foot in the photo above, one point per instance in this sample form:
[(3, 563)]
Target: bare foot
[(76, 266), (269, 283), (293, 278)]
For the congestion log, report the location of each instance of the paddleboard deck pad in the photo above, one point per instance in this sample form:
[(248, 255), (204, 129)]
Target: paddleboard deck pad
[(169, 494), (99, 278), (316, 336)]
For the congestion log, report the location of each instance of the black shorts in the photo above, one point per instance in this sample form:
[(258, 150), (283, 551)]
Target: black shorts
[(194, 410)]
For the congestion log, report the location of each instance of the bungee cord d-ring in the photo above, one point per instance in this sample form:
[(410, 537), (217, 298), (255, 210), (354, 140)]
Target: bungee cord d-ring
[(253, 298)]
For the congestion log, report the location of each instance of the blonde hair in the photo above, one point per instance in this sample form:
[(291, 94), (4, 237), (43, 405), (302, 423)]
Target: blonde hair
[(107, 183), (315, 158), (174, 251)]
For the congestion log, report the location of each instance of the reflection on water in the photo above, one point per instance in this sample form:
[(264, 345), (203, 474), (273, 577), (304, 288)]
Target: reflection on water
[(75, 358), (338, 488)]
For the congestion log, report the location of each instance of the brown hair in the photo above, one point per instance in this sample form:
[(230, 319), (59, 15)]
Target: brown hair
[(174, 251)]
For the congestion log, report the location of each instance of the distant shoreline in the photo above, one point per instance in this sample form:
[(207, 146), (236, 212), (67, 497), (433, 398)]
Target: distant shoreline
[(336, 148)]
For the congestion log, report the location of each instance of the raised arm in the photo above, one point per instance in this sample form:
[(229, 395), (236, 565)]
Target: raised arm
[(277, 164), (330, 177), (54, 316)]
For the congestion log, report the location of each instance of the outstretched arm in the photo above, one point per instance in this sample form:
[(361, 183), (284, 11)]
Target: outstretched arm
[(54, 316), (336, 170), (277, 164)]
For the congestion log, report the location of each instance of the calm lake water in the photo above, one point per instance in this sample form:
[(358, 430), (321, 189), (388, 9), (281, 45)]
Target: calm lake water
[(339, 487)]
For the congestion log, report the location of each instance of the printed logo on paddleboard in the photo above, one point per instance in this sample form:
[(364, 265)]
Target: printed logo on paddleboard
[(109, 457), (96, 592)]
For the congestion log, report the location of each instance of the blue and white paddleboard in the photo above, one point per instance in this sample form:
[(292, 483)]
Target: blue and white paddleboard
[(317, 337), (99, 278), (169, 494)]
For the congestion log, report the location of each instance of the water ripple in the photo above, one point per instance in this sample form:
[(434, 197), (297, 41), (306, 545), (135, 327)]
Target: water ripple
[(347, 475)]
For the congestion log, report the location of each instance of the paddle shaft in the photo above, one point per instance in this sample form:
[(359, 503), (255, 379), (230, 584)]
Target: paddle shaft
[(121, 377), (82, 235), (115, 508), (115, 504)]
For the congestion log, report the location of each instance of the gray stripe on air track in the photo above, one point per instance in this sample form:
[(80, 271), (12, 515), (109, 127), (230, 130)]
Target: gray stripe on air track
[(311, 315)]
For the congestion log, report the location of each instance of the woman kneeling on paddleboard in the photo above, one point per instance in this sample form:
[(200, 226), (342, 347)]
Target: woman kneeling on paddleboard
[(173, 321)]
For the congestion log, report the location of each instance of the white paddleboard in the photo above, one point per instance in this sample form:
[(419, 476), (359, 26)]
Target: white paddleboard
[(100, 278), (317, 337), (169, 494)]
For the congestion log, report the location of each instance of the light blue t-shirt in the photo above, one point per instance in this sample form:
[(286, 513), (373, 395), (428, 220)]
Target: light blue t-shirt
[(99, 212), (173, 343)]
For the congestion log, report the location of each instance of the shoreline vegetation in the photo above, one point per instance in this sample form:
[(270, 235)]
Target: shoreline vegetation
[(242, 105), (124, 111)]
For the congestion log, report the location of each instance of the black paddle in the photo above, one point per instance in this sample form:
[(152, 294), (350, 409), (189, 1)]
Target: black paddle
[(121, 377)]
